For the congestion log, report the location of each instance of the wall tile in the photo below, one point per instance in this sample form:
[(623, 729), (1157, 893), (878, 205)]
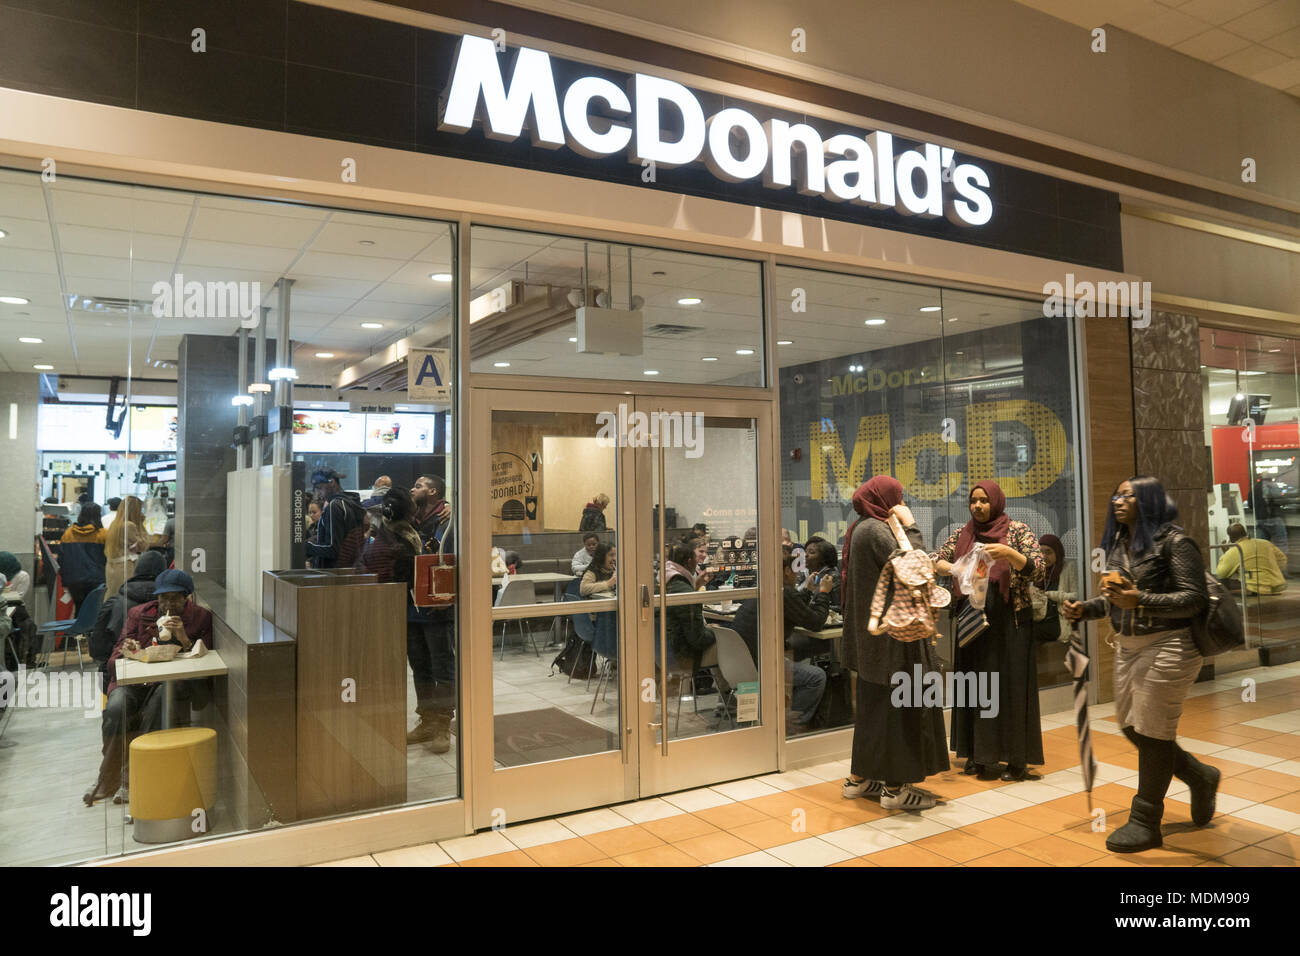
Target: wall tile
[(350, 43), (217, 85), (1166, 399), (66, 58), (350, 107), (1177, 458), (1171, 341), (241, 26)]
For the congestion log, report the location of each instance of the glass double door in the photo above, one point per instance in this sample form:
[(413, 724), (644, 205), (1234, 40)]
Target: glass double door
[(620, 647)]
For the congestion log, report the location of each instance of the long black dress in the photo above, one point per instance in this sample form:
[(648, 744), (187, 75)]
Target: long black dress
[(890, 743), (1007, 649)]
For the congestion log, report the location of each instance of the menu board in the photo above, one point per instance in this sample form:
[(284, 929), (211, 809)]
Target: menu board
[(75, 428), (399, 434), (153, 427), (328, 431)]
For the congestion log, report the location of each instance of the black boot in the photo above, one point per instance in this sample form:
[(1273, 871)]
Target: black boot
[(1142, 832), (1203, 782)]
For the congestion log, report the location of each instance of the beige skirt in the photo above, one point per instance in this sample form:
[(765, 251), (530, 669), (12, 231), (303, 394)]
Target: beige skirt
[(1152, 677)]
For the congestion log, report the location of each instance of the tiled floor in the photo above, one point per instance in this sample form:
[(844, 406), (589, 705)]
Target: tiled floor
[(800, 819)]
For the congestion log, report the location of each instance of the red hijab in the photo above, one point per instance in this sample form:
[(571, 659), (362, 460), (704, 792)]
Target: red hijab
[(993, 531), (873, 499)]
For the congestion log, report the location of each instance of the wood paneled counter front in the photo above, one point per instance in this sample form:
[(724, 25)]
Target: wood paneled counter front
[(350, 634)]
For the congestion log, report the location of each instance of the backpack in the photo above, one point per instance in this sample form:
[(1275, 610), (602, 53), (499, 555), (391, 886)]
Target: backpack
[(102, 638), (1219, 628), (575, 659), (907, 581)]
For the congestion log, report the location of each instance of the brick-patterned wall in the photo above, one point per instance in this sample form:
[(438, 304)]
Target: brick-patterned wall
[(1167, 414)]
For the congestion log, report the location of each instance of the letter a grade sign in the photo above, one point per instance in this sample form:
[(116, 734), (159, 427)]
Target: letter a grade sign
[(428, 375)]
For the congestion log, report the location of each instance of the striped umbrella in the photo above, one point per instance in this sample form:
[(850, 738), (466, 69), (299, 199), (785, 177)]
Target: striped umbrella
[(1076, 661)]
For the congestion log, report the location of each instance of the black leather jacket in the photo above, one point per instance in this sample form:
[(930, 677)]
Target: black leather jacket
[(1171, 577)]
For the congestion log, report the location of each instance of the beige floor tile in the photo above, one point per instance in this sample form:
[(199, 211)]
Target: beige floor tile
[(767, 833), (429, 854), (566, 852), (593, 821), (658, 856), (810, 852), (513, 858), (692, 801), (684, 826), (1256, 856), (731, 816), (366, 860), (757, 858), (908, 855), (715, 846), (525, 835), (624, 840), (480, 844), (1057, 851), (1003, 832), (643, 811), (1006, 858), (958, 846)]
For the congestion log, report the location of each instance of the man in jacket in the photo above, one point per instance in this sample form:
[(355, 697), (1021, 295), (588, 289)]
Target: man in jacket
[(1265, 562), (134, 709), (113, 612), (431, 638), (342, 526)]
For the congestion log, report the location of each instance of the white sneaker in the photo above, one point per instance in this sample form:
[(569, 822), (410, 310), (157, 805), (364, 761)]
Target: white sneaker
[(871, 789), (907, 797)]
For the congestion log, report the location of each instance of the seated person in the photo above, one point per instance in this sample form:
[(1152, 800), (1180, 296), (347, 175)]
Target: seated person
[(822, 560), (704, 580), (113, 612), (600, 580), (582, 557), (135, 709), (691, 643), (801, 609), (514, 563), (1265, 562), (807, 684)]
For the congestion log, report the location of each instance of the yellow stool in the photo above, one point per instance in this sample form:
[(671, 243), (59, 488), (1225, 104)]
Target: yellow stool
[(173, 783)]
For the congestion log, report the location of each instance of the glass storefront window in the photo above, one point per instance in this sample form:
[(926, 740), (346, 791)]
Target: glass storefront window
[(330, 692), (546, 305), (939, 389), (1250, 388)]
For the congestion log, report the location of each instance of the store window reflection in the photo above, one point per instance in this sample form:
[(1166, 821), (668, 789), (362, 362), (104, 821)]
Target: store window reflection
[(185, 370), (938, 389), (1251, 397)]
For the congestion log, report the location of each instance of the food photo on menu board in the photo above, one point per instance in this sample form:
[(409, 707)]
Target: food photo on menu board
[(399, 434), (328, 431), (153, 427)]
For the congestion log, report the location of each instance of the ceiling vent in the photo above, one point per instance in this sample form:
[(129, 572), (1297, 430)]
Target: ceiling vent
[(104, 304), (666, 330)]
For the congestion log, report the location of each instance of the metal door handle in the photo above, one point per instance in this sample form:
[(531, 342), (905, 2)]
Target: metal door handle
[(645, 603)]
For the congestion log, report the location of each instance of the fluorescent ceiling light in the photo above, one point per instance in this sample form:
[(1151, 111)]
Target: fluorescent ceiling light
[(3, 233), (651, 371), (573, 338), (785, 342), (931, 308), (259, 387), (744, 351), (709, 358), (14, 300), (282, 374), (500, 364), (317, 405), (440, 276), (43, 368), (241, 400), (875, 322), (29, 340), (690, 300), (324, 354), (372, 325)]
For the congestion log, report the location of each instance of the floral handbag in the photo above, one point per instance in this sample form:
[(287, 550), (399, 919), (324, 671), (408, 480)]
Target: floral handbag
[(907, 583)]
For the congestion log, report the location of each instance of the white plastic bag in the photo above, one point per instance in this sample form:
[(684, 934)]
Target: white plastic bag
[(971, 573)]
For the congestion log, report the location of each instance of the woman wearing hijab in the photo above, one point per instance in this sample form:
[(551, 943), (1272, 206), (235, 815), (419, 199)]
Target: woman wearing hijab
[(1061, 584), (893, 747), (1006, 649), (1153, 588)]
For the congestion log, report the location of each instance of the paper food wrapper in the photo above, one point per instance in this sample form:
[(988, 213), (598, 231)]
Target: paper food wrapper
[(196, 650), (154, 654)]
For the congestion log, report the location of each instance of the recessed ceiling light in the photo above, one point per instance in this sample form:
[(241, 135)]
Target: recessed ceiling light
[(324, 354), (952, 318), (651, 371), (573, 338), (27, 339), (1275, 350), (372, 325), (3, 233), (875, 322), (744, 351), (440, 276), (43, 368), (931, 308), (709, 358), (317, 405), (19, 300), (500, 364), (958, 353), (689, 300), (365, 242), (785, 342)]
